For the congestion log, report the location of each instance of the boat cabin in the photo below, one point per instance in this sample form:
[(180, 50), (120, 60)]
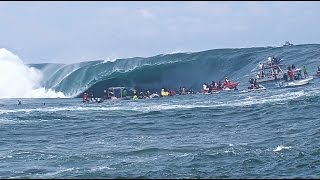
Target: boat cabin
[(117, 92)]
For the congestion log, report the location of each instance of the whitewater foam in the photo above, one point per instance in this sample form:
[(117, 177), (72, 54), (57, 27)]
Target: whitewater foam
[(20, 81), (279, 148)]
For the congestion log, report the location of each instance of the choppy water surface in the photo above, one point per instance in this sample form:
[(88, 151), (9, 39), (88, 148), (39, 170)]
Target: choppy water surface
[(234, 134)]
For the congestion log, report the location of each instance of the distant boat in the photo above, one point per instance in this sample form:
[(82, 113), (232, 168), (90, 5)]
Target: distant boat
[(287, 43)]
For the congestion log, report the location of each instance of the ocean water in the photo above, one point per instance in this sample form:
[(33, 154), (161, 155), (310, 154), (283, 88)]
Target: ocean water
[(233, 134)]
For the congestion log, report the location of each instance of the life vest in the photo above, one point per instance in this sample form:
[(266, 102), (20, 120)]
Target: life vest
[(163, 93), (85, 97), (172, 92)]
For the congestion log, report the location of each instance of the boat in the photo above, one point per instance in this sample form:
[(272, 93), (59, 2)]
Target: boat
[(260, 88), (268, 70), (294, 83), (287, 43), (230, 86), (154, 95), (118, 93), (226, 86), (271, 70)]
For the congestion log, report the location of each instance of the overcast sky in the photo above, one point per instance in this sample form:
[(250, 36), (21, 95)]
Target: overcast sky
[(68, 32)]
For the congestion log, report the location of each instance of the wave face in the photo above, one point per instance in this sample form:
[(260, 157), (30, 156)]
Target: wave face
[(171, 70)]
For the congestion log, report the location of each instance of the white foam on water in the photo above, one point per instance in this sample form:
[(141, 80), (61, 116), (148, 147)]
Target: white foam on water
[(100, 168), (6, 121), (280, 147), (57, 109)]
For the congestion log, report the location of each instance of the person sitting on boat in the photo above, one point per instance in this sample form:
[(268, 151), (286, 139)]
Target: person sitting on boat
[(210, 88), (213, 83), (164, 92), (226, 81), (85, 97), (251, 83), (219, 84), (148, 93), (318, 68), (216, 85), (184, 92), (180, 90), (135, 96), (305, 73), (205, 87), (293, 67), (172, 93), (141, 96)]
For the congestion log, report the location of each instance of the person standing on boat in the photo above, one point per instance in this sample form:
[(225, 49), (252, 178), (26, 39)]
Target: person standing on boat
[(269, 61), (305, 73), (290, 73), (299, 74), (85, 97), (255, 84), (285, 77)]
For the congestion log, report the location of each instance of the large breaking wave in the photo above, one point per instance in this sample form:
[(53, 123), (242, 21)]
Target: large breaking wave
[(20, 81), (170, 70)]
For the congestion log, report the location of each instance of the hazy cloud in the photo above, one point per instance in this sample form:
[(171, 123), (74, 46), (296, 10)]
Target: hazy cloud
[(67, 32)]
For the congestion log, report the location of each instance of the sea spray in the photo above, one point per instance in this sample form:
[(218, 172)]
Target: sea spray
[(20, 81)]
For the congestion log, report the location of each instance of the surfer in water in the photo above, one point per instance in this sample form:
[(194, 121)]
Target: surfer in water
[(19, 102)]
